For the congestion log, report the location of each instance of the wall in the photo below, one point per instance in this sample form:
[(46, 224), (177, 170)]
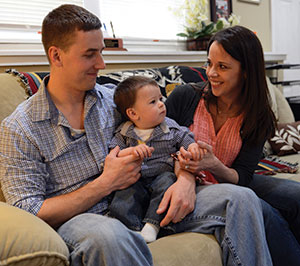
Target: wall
[(109, 67), (256, 17)]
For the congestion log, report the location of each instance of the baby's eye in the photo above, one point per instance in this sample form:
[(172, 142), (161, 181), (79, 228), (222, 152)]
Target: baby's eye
[(152, 102), (161, 98)]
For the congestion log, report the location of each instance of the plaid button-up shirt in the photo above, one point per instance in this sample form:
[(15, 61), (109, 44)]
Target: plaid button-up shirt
[(166, 138), (40, 157)]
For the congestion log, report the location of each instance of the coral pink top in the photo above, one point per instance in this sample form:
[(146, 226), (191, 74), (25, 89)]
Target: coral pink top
[(226, 144)]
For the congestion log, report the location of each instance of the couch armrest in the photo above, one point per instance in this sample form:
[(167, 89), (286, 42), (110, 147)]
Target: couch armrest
[(27, 240)]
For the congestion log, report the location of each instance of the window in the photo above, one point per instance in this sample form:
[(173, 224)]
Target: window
[(130, 18), (141, 18), (27, 13)]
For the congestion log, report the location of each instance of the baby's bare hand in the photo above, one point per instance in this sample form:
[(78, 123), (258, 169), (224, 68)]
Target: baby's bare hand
[(143, 151), (196, 153)]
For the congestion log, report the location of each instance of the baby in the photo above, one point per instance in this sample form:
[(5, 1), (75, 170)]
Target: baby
[(150, 135)]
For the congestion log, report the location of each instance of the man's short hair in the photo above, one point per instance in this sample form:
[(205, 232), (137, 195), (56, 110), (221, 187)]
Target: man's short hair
[(60, 24)]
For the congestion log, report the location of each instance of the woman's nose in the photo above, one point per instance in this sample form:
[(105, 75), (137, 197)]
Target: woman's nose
[(211, 72)]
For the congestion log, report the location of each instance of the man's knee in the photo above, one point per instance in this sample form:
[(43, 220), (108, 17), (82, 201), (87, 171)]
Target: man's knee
[(92, 228)]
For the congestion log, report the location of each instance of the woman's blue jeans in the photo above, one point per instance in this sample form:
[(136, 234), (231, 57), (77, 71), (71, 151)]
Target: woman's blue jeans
[(283, 195)]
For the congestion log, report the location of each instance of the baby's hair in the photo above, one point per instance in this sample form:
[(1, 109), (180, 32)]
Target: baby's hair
[(125, 93)]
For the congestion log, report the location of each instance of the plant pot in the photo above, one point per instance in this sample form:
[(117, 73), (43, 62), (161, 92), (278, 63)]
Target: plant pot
[(199, 44)]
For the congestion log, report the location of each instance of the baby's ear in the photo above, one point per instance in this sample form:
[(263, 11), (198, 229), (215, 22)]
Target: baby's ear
[(131, 113)]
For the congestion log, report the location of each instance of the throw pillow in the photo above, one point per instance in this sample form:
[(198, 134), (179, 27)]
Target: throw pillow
[(286, 139)]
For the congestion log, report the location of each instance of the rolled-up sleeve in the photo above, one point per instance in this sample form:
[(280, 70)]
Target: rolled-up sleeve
[(22, 171)]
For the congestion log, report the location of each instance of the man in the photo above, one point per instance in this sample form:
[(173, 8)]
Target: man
[(64, 143), (55, 163)]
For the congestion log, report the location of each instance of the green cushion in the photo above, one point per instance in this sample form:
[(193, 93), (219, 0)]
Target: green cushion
[(186, 249), (27, 240)]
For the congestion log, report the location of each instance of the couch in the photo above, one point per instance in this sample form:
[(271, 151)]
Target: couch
[(27, 240)]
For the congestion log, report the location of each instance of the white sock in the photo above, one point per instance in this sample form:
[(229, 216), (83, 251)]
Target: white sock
[(149, 232)]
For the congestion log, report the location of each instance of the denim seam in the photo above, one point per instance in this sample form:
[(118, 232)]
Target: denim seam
[(204, 217), (232, 250)]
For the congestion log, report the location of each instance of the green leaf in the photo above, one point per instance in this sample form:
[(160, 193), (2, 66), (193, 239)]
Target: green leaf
[(219, 25), (182, 34)]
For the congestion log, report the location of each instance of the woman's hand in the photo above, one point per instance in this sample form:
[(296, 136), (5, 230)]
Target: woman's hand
[(206, 162), (179, 199), (210, 163)]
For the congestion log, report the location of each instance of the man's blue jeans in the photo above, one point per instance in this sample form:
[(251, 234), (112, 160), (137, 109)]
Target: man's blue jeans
[(232, 213), (282, 194), (97, 240)]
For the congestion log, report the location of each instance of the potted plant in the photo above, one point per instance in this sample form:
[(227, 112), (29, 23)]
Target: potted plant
[(198, 28)]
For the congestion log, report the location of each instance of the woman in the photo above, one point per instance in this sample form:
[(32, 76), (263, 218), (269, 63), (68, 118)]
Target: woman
[(231, 117)]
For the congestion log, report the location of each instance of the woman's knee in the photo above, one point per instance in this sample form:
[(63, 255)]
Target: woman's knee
[(227, 192)]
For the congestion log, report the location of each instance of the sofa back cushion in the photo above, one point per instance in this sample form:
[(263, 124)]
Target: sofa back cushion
[(166, 77), (11, 94)]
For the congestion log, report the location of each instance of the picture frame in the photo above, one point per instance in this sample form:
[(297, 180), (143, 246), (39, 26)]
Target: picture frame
[(220, 9), (251, 1)]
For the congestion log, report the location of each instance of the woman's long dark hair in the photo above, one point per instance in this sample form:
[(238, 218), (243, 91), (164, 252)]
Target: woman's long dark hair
[(244, 46)]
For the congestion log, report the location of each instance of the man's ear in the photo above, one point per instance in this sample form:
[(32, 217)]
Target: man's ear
[(54, 54), (131, 113)]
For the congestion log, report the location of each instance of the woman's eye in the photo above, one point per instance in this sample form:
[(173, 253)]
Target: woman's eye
[(206, 64)]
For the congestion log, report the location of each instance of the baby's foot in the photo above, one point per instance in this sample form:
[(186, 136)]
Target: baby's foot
[(149, 232)]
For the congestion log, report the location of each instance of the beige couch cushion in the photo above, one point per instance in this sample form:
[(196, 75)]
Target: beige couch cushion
[(26, 240), (1, 195), (173, 250), (285, 114), (11, 94)]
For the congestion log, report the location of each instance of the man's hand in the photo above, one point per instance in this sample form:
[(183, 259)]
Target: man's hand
[(120, 172)]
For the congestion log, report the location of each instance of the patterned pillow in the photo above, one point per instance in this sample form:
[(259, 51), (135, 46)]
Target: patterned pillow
[(164, 76), (286, 139)]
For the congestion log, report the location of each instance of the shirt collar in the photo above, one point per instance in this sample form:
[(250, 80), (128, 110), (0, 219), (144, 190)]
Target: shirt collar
[(128, 125), (43, 107)]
